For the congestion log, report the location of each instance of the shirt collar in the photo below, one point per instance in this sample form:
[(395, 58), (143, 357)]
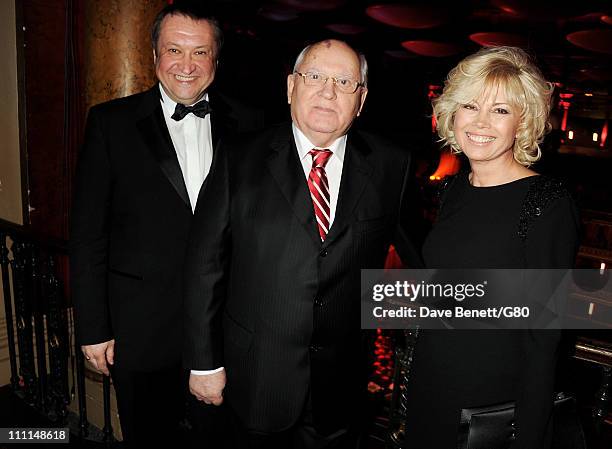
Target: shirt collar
[(338, 146), (168, 104)]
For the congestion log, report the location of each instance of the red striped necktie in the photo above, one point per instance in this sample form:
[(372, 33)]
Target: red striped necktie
[(319, 189)]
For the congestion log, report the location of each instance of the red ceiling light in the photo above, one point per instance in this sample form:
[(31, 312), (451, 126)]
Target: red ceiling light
[(405, 16), (431, 48), (607, 19), (495, 39), (594, 40)]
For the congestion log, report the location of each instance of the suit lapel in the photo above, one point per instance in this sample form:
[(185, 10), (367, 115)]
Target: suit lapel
[(154, 132), (285, 167), (222, 121), (356, 172)]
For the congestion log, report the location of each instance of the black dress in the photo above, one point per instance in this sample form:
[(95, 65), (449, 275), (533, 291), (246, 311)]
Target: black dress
[(488, 227)]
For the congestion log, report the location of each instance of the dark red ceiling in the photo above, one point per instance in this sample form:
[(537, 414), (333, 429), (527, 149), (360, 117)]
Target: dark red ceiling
[(571, 42)]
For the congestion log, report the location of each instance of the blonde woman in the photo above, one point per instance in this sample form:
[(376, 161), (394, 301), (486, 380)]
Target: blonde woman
[(498, 214)]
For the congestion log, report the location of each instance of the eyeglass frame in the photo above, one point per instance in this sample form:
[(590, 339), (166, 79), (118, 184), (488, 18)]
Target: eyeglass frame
[(358, 84)]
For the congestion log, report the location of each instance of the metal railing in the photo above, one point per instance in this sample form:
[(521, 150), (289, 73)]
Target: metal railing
[(44, 355)]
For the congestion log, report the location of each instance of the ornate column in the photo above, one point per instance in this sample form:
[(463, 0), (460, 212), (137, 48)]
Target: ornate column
[(118, 53)]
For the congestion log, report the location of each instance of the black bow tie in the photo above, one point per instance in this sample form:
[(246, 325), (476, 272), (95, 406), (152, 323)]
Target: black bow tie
[(200, 109)]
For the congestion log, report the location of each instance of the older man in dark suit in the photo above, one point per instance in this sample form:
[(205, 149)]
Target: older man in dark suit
[(273, 268), (144, 161)]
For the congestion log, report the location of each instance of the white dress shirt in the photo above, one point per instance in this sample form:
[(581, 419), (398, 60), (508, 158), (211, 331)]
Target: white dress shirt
[(192, 139), (333, 168)]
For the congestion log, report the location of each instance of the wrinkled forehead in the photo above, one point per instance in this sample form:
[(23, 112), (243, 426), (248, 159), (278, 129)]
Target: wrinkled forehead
[(333, 58)]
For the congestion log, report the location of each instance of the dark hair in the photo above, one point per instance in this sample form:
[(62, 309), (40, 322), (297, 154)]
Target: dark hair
[(188, 10)]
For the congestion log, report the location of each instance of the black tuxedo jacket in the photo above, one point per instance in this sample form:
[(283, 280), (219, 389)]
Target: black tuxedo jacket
[(266, 299), (129, 226)]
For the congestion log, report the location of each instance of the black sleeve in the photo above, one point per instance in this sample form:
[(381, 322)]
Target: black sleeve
[(206, 268), (551, 243), (89, 235), (410, 229)]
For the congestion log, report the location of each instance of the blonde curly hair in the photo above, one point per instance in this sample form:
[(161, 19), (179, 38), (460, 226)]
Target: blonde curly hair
[(512, 70)]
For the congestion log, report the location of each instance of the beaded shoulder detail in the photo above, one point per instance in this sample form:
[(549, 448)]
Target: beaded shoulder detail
[(542, 191)]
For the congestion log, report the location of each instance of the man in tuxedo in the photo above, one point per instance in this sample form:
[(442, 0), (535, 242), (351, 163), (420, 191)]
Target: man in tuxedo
[(140, 171), (289, 218)]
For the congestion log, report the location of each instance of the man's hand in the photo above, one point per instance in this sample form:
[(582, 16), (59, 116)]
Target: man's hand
[(208, 387), (100, 354)]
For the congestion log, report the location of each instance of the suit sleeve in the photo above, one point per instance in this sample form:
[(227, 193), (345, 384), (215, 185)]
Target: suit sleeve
[(206, 268), (89, 235), (407, 238), (552, 243)]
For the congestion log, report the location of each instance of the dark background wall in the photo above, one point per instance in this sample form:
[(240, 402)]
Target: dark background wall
[(262, 40)]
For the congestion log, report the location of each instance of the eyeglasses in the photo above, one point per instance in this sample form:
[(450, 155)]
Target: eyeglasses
[(344, 85)]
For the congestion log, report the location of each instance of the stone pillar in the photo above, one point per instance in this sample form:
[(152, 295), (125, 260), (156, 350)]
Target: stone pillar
[(118, 53)]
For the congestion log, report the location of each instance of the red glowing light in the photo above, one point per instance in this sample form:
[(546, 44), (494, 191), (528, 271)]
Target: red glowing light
[(448, 165), (564, 103), (593, 40), (406, 16), (431, 48), (494, 39)]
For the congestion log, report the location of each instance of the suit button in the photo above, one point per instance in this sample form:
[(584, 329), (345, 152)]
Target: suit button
[(314, 348), (323, 253), (318, 302)]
